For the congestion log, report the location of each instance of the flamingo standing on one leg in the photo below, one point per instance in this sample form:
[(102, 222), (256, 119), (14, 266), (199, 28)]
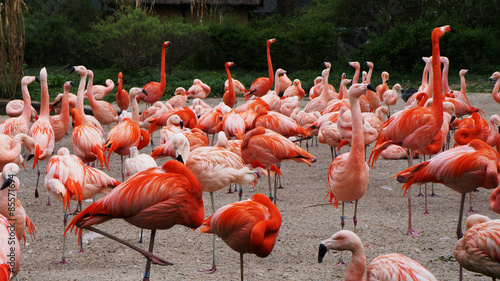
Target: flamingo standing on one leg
[(478, 250), (415, 128), (42, 131), (157, 198), (249, 226), (384, 267), (20, 124), (122, 98), (262, 85), (154, 89)]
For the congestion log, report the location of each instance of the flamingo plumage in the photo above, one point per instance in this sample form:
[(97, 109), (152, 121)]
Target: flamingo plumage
[(262, 85)]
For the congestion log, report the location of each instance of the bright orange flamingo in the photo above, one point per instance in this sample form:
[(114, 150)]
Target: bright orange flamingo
[(42, 131), (60, 122), (478, 250), (10, 206), (100, 91), (233, 125), (14, 108), (86, 141), (8, 269), (64, 181), (103, 111), (348, 173), (154, 89), (415, 128), (185, 113), (127, 134), (10, 148), (20, 124), (281, 124), (271, 148), (229, 97), (474, 127), (249, 226), (177, 199), (462, 168), (495, 94), (262, 85), (122, 97), (384, 267)]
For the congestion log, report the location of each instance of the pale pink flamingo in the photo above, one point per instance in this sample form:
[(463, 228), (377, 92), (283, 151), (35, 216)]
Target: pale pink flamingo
[(271, 148), (383, 87), (154, 89), (330, 134), (177, 200), (10, 148), (425, 74), (384, 267), (371, 95), (495, 94), (56, 106), (444, 79), (345, 126), (415, 128), (8, 269), (284, 83), (122, 97), (214, 167), (249, 226), (103, 111), (64, 181), (137, 162), (10, 206), (315, 90), (272, 97), (14, 108), (42, 131), (20, 124), (198, 90), (478, 250), (394, 152), (205, 108), (262, 85), (238, 87), (288, 105), (60, 122), (100, 91), (174, 125), (86, 141), (462, 94), (357, 69), (350, 169), (462, 168), (231, 145), (320, 103), (390, 97), (179, 99), (294, 90), (196, 138)]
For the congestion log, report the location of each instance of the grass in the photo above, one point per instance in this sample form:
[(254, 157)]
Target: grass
[(57, 75)]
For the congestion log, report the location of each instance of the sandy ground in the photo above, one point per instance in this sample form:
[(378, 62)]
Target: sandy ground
[(308, 219)]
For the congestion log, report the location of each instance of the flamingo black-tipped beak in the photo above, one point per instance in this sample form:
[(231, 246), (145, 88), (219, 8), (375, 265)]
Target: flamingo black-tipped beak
[(182, 124), (144, 92), (179, 158), (371, 88), (453, 118), (54, 104), (452, 29), (365, 63), (37, 79), (72, 70), (30, 157), (492, 80), (7, 183), (322, 252), (71, 83), (387, 81)]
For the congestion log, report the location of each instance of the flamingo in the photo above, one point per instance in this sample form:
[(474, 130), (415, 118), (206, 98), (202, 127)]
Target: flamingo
[(14, 108), (10, 148), (249, 226), (496, 76), (103, 111), (60, 122), (425, 74), (122, 97), (179, 99), (177, 199), (208, 122), (86, 141), (462, 168), (371, 95), (294, 90), (281, 124), (56, 106), (100, 91), (271, 148), (8, 246), (461, 95), (233, 125), (272, 97), (383, 87), (42, 131), (138, 162), (10, 206), (415, 128), (155, 89), (229, 97), (315, 90), (390, 97), (238, 87), (174, 125), (288, 105), (20, 124), (350, 169), (284, 83), (474, 127), (127, 134), (198, 90), (384, 267), (478, 250), (262, 85), (64, 181), (320, 103), (330, 134), (446, 66)]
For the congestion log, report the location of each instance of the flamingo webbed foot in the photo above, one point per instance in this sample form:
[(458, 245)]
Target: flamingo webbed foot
[(412, 232), (63, 261), (209, 270)]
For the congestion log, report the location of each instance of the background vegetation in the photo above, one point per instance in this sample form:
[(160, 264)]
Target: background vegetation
[(109, 37)]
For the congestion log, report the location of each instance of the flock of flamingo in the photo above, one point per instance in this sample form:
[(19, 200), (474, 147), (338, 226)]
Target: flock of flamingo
[(252, 140)]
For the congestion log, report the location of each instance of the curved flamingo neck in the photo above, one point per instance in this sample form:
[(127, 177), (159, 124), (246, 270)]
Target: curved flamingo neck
[(496, 95), (463, 84), (135, 109), (358, 139), (229, 81), (355, 78), (446, 69), (357, 266), (44, 103), (269, 63), (90, 90), (81, 90), (26, 114), (369, 75), (276, 83), (437, 104)]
